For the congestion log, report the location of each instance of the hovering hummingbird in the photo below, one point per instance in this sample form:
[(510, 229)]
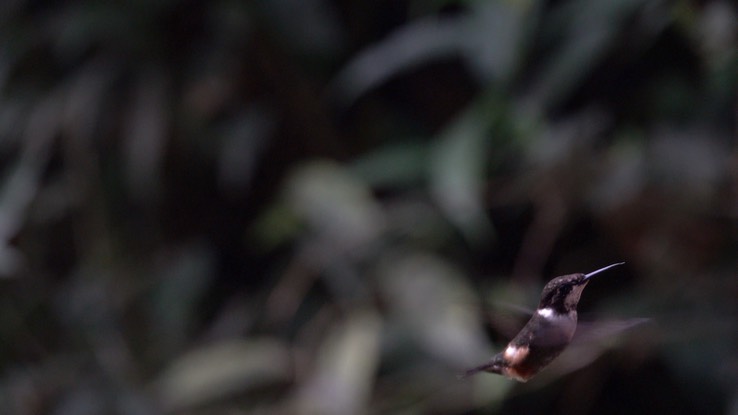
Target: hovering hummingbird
[(546, 334)]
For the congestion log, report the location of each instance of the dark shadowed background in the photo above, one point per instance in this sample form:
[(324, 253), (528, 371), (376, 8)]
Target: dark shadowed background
[(334, 207)]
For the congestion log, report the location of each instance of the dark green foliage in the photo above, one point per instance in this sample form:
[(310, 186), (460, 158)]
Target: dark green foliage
[(306, 206)]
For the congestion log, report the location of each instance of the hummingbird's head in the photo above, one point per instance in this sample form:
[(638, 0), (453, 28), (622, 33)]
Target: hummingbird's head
[(562, 294)]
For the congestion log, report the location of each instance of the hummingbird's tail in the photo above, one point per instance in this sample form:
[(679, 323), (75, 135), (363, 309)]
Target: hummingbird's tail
[(493, 366)]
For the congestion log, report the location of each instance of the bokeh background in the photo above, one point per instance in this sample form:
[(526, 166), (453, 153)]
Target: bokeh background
[(334, 207)]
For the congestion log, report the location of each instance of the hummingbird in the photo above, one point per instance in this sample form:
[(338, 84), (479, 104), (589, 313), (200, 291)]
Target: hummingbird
[(548, 332)]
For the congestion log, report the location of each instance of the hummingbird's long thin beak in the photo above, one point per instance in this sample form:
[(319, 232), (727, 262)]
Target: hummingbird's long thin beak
[(593, 273)]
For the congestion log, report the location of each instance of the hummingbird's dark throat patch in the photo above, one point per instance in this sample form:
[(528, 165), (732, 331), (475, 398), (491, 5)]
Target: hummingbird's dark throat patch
[(562, 294)]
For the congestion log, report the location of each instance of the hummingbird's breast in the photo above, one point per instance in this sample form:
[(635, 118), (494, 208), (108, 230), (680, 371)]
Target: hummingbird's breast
[(541, 340)]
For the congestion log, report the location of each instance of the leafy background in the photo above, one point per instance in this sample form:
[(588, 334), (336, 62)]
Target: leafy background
[(312, 206)]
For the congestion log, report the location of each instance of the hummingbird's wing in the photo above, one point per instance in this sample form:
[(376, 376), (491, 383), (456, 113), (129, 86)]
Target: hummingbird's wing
[(602, 329), (592, 340), (589, 331), (550, 335), (507, 319)]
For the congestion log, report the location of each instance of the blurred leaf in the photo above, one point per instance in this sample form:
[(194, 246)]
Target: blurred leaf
[(624, 180), (336, 206), (558, 144), (418, 42), (396, 165), (343, 376), (491, 389), (22, 184), (245, 139), (589, 30), (494, 38), (433, 300), (310, 26), (146, 136), (278, 224), (688, 162), (220, 370), (457, 171), (488, 37), (184, 277)]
